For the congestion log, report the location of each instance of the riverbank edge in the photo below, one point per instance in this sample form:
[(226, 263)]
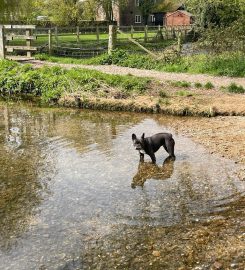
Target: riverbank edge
[(123, 105), (129, 105), (71, 86)]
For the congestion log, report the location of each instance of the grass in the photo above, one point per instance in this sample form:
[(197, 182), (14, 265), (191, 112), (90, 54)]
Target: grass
[(225, 64), (180, 84), (208, 85), (198, 85), (163, 94), (184, 93), (50, 83), (234, 88), (163, 101)]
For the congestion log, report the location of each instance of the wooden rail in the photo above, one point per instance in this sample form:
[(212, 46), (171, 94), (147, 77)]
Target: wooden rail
[(139, 45), (6, 36)]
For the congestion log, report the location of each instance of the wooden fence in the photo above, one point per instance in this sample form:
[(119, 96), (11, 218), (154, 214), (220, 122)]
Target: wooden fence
[(8, 33), (86, 41), (91, 41)]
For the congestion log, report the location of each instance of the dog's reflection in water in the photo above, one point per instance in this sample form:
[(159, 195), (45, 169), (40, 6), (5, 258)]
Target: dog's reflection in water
[(148, 170)]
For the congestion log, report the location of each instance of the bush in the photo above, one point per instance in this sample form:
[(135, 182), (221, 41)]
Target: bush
[(234, 88), (208, 85), (198, 85)]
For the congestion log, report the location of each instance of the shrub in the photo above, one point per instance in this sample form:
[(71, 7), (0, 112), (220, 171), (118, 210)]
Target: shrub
[(198, 85), (234, 88), (163, 94), (208, 85)]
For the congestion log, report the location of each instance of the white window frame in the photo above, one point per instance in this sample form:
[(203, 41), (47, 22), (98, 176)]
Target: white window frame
[(137, 3), (152, 18), (137, 19)]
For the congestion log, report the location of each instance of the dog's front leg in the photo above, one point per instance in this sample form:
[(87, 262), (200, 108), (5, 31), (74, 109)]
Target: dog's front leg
[(153, 158), (141, 157)]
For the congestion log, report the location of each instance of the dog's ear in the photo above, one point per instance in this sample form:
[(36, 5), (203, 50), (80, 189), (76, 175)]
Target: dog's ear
[(133, 137), (143, 136)]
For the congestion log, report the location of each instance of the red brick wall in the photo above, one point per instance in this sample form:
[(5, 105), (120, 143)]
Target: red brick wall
[(177, 18)]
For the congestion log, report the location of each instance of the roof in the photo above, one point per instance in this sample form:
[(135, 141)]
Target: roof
[(181, 11)]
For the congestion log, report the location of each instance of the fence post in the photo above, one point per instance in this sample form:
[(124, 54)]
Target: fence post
[(146, 33), (77, 32), (50, 41), (2, 43), (112, 38), (159, 35), (97, 33), (179, 42), (56, 35), (132, 31), (28, 42), (166, 31)]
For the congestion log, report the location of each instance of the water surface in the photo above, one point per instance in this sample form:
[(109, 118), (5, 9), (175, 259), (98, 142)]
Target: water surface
[(73, 195)]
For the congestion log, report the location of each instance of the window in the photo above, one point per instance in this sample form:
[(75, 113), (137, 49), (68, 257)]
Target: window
[(137, 19), (137, 3), (152, 18)]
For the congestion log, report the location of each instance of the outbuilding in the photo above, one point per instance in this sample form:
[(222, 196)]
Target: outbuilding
[(178, 17)]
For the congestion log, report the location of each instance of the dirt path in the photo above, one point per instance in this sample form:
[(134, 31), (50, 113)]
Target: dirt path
[(161, 76)]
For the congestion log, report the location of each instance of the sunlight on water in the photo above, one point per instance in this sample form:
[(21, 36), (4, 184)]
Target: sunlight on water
[(73, 193)]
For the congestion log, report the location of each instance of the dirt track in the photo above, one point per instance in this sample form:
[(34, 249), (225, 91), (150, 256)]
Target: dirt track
[(161, 76)]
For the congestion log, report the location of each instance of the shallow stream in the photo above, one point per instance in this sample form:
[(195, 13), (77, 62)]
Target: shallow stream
[(73, 195)]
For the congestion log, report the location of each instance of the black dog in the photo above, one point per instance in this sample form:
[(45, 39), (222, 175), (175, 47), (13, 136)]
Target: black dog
[(151, 144)]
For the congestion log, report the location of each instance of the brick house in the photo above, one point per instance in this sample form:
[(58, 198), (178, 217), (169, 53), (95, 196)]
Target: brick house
[(131, 15)]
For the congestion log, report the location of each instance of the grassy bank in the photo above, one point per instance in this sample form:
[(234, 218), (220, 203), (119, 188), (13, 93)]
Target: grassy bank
[(51, 83), (91, 89), (226, 64)]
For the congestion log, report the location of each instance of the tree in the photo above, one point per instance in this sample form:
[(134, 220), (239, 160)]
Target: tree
[(107, 6), (63, 12), (90, 9), (222, 23), (19, 10), (146, 7), (215, 12), (7, 9)]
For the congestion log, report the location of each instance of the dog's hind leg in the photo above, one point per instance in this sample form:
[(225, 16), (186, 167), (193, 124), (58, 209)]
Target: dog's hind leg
[(164, 146), (170, 147)]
